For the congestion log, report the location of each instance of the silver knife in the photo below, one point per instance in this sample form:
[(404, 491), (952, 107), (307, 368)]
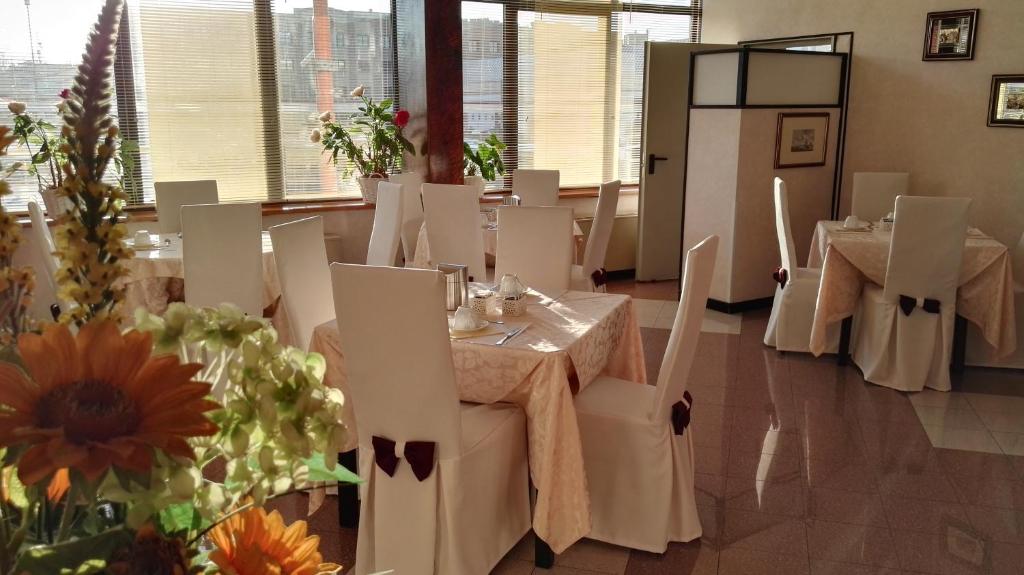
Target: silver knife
[(510, 335)]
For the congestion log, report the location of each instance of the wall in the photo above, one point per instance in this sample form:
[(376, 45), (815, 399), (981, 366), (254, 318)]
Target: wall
[(927, 118)]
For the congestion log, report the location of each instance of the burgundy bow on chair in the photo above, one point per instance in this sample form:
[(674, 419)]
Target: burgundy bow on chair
[(681, 413), (780, 275), (907, 304), (600, 277), (419, 454)]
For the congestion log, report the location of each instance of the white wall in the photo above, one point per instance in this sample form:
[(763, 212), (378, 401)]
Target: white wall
[(927, 118)]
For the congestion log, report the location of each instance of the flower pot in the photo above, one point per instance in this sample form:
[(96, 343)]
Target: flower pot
[(368, 186), (477, 182)]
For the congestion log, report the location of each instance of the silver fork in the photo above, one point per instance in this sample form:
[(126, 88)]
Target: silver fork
[(510, 335)]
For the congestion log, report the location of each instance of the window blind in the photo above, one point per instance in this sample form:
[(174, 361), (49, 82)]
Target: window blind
[(561, 82)]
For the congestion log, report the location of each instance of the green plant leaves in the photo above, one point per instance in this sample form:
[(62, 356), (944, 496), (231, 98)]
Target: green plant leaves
[(76, 557), (318, 471)]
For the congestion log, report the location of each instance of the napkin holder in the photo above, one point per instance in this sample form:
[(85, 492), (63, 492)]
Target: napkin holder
[(513, 305), (456, 288)]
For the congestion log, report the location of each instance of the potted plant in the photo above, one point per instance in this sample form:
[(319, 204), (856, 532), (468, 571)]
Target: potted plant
[(373, 144), (45, 146), (484, 164)]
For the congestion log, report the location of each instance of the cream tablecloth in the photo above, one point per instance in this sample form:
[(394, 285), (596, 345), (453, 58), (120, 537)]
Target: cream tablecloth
[(848, 259), (570, 341), (421, 259)]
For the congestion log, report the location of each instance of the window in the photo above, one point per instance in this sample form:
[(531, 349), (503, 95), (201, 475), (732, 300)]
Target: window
[(563, 86), (211, 89)]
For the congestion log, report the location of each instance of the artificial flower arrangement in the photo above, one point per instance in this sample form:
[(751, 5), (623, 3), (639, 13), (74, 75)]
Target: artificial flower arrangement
[(374, 143), (483, 164), (152, 450)]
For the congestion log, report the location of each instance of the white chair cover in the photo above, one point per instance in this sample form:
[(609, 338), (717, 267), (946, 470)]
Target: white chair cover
[(789, 325), (911, 352), (45, 247), (302, 270), (452, 215), (637, 449), (170, 196), (535, 244), (874, 193), (600, 235), (387, 223), (412, 210), (474, 504), (223, 255), (536, 187), (979, 352)]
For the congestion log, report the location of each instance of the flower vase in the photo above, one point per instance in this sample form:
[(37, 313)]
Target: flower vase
[(368, 187), (476, 182)]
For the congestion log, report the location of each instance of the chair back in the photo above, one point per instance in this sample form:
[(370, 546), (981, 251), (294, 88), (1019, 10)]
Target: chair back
[(412, 210), (302, 270), (927, 247), (454, 232), (874, 193), (682, 343), (601, 229), (44, 244), (387, 226), (536, 187), (787, 248), (394, 330), (171, 196), (536, 244), (223, 255), (1016, 264)]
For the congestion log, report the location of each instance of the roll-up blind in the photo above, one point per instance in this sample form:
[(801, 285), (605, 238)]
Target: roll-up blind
[(561, 82)]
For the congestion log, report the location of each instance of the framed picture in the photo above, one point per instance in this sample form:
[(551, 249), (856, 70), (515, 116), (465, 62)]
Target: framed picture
[(801, 140), (950, 35), (1006, 102)]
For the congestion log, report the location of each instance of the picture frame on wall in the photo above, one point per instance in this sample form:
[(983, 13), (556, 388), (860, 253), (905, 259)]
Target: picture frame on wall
[(1006, 101), (801, 140), (950, 35)]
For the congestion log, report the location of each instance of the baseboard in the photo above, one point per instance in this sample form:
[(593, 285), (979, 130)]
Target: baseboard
[(739, 306)]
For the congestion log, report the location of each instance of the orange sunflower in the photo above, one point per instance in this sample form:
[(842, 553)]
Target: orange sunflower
[(256, 543), (98, 400)]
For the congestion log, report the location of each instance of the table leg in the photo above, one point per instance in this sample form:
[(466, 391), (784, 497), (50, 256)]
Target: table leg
[(543, 556), (843, 356), (348, 493), (959, 344)]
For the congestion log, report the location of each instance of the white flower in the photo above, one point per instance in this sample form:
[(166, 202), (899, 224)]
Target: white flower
[(357, 93), (314, 136), (325, 117), (18, 108)]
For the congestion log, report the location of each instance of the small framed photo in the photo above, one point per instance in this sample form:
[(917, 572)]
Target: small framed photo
[(950, 35), (801, 140), (1006, 102)]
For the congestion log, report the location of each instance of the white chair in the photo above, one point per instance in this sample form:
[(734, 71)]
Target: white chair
[(223, 256), (979, 352), (45, 247), (536, 187), (446, 485), (170, 196), (903, 332), (302, 271), (637, 449), (789, 325), (452, 215), (874, 193), (387, 224), (412, 210), (536, 244), (591, 273)]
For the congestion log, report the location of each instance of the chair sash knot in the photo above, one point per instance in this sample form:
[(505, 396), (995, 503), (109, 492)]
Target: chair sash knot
[(419, 454), (907, 304), (600, 277), (780, 275), (681, 413)]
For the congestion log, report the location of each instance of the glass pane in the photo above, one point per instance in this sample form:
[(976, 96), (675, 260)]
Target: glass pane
[(482, 68), (320, 60)]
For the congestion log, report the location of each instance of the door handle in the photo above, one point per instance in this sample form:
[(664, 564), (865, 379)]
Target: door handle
[(651, 159)]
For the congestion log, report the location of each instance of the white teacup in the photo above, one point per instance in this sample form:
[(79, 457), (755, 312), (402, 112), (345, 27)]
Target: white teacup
[(464, 319), (851, 222), (142, 239)]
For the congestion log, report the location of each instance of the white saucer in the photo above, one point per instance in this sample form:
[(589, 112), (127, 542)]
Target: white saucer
[(481, 325)]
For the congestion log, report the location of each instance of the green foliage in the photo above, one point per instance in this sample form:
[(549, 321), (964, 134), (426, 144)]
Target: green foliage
[(486, 159), (373, 144), (44, 143), (83, 556)]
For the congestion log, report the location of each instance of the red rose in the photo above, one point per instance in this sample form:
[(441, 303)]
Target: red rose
[(65, 93), (401, 118)]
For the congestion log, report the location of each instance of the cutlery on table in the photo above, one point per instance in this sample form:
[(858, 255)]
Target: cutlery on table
[(511, 334)]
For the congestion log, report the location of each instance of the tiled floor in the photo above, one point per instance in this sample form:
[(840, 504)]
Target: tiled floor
[(803, 468)]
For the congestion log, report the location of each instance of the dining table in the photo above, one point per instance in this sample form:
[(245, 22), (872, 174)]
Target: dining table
[(568, 342), (848, 258)]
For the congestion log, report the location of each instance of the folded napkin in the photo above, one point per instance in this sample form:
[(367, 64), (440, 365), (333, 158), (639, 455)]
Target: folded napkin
[(492, 329)]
